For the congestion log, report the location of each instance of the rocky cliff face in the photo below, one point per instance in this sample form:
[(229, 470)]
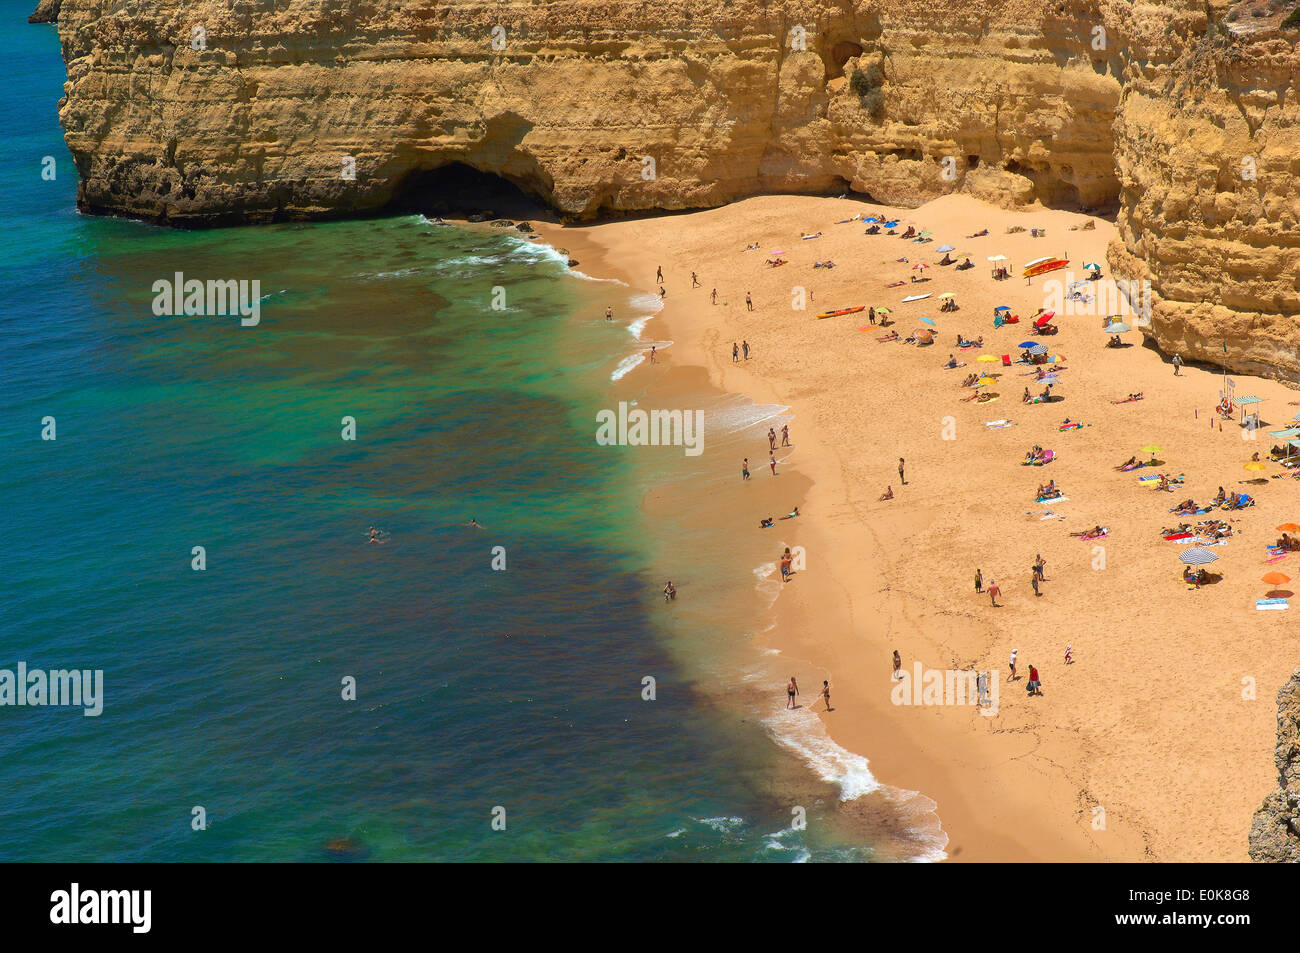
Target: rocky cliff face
[(255, 110), (47, 11), (1275, 831)]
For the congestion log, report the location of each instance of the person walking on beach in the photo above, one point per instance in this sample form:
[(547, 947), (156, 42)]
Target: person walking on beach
[(695, 282), (749, 302), (744, 469), (1012, 663), (979, 582), (901, 479), (771, 438), (653, 360), (659, 275), (1033, 581), (785, 435), (714, 296), (735, 352), (1178, 363), (771, 461), (994, 591), (1039, 565), (744, 348), (791, 693), (786, 561), (826, 693), (1034, 686), (609, 314), (898, 666), (1069, 655)]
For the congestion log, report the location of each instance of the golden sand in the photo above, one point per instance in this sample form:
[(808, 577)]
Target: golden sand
[(1152, 745)]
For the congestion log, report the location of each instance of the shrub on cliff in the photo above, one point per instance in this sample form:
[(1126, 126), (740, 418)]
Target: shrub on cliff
[(866, 83), (1293, 20)]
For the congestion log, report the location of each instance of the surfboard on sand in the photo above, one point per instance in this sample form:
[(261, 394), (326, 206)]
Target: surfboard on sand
[(1042, 268), (836, 314), (916, 297)]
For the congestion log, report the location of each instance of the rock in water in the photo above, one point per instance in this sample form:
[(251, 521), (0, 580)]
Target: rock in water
[(1275, 831), (47, 11)]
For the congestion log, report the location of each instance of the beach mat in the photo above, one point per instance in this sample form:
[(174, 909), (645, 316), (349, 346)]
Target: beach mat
[(1266, 604)]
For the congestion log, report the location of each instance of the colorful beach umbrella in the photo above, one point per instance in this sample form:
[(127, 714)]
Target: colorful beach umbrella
[(1092, 266), (883, 311), (1002, 307), (1043, 319), (1196, 556), (1027, 344)]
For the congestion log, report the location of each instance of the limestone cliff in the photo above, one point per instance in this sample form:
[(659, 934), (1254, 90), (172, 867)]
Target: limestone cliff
[(256, 110), (1275, 831), (47, 11)]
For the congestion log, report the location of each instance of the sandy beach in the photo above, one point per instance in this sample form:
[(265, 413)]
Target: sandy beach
[(1156, 743)]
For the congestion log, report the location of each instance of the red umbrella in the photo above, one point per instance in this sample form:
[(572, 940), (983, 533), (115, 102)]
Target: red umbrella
[(1044, 319)]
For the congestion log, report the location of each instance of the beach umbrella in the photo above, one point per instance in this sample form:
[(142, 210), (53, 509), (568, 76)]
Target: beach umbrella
[(1289, 528), (920, 267), (947, 294), (1043, 319), (987, 380), (944, 248), (923, 335), (1027, 344), (1119, 327), (872, 220), (1092, 266), (883, 311), (1002, 307), (1255, 466), (1275, 578), (998, 258), (929, 322), (1037, 348), (1196, 556), (1151, 448), (987, 358), (890, 224)]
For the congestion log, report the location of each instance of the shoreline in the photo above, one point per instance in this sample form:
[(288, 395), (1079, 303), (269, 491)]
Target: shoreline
[(1031, 785)]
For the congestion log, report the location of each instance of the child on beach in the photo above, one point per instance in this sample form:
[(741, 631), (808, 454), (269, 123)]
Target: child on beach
[(791, 693), (979, 582), (888, 494)]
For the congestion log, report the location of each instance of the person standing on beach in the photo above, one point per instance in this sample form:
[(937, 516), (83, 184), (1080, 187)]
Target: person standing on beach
[(791, 693), (609, 314), (898, 666), (695, 282), (826, 693), (1012, 663), (871, 315), (744, 348), (901, 479), (1033, 581), (652, 355), (744, 469), (771, 438), (659, 275), (749, 302), (1178, 363), (714, 296), (1039, 565), (771, 461), (1034, 686), (735, 352), (979, 582), (994, 592), (786, 561)]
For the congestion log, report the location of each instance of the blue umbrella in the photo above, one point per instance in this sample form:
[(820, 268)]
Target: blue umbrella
[(1002, 307), (1028, 344), (871, 219), (929, 322), (890, 224), (1197, 557)]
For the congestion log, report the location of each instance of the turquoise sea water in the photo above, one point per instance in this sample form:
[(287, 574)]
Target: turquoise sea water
[(475, 688)]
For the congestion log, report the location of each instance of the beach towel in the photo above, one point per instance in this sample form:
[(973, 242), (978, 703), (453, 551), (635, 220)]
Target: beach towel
[(1051, 499), (1071, 427), (1266, 604), (997, 424), (1177, 536), (1148, 479), (952, 367)]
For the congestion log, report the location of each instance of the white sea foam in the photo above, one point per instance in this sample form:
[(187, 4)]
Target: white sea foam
[(626, 366), (722, 825)]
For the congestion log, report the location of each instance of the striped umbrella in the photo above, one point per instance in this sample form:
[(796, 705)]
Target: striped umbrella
[(1037, 348), (1197, 556)]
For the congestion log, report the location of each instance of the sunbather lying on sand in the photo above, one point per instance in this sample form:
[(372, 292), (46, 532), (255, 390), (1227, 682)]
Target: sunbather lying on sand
[(979, 234), (891, 336), (806, 237), (970, 380), (1129, 464), (1178, 530), (824, 264), (1129, 399), (1095, 533), (1186, 508), (752, 247), (775, 262)]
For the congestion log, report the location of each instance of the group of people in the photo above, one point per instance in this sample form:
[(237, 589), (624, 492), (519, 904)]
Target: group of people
[(1049, 491), (1036, 455)]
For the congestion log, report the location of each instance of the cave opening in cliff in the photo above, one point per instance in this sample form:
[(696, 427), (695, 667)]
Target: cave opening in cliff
[(458, 188), (840, 54)]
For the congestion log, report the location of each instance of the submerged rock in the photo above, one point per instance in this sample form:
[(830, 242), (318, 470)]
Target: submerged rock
[(47, 11)]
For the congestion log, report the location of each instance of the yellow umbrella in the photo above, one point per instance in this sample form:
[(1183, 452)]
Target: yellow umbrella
[(1255, 466), (883, 311), (986, 358), (987, 380), (1151, 449), (947, 294)]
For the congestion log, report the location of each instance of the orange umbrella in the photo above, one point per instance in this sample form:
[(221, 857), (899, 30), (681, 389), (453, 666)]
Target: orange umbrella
[(1289, 528), (1274, 578)]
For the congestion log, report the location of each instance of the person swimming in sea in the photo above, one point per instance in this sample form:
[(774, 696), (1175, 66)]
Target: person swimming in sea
[(473, 522), (374, 535)]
